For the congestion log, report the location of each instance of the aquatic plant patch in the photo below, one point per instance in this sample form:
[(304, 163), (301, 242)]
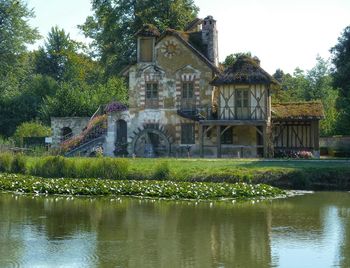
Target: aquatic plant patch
[(146, 188)]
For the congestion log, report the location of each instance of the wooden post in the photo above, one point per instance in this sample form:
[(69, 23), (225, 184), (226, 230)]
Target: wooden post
[(201, 137), (265, 140), (218, 141), (316, 138)]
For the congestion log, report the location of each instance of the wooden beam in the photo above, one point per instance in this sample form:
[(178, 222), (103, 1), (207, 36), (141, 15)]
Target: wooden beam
[(316, 127), (201, 138), (218, 141), (232, 122), (265, 140)]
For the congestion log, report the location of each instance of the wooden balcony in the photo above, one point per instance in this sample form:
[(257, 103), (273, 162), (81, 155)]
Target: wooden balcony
[(241, 113)]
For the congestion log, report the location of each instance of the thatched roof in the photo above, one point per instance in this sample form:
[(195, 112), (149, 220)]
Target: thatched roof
[(148, 30), (245, 70), (297, 110)]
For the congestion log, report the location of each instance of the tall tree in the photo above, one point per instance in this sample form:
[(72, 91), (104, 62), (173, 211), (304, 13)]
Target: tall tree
[(15, 33), (114, 23), (341, 78), (15, 68), (52, 59)]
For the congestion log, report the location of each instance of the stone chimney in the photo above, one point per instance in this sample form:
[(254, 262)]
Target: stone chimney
[(210, 39)]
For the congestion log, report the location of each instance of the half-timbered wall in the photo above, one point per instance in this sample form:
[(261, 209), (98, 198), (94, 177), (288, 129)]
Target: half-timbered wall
[(243, 102), (293, 135)]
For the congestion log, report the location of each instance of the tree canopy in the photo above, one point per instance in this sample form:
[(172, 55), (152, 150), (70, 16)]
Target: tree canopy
[(115, 22), (341, 78)]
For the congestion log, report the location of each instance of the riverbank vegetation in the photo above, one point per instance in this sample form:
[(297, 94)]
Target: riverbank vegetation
[(146, 188), (291, 174)]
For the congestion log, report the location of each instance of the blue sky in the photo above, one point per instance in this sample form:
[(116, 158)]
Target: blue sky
[(283, 33)]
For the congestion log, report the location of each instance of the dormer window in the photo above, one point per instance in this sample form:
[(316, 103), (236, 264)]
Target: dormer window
[(146, 46)]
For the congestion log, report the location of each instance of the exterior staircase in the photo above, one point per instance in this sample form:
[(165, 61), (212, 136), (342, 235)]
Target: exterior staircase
[(92, 137)]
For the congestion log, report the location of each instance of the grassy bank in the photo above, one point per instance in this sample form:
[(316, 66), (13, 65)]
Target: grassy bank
[(145, 188), (291, 174)]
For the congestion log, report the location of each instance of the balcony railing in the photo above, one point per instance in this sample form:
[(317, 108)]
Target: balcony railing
[(192, 111), (239, 113)]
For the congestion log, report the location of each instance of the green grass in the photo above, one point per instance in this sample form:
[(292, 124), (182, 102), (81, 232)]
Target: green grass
[(292, 174), (145, 188)]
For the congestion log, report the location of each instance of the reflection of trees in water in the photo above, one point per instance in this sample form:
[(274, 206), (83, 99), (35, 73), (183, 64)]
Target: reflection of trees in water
[(139, 233), (11, 231), (344, 216)]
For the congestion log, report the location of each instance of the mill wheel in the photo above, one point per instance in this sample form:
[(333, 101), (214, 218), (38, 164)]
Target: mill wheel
[(151, 142)]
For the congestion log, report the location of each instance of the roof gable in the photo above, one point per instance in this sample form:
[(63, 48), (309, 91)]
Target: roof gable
[(183, 37)]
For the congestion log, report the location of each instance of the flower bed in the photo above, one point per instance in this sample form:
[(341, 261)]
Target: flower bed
[(296, 154), (146, 188)]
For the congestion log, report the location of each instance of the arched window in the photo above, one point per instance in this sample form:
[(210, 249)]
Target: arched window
[(66, 133)]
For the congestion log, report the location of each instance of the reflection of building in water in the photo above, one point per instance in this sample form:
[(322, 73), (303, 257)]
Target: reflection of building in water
[(169, 234)]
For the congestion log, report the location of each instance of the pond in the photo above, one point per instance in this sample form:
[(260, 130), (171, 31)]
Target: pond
[(311, 230)]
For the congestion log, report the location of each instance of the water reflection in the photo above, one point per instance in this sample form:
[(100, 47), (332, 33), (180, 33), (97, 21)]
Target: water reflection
[(303, 231)]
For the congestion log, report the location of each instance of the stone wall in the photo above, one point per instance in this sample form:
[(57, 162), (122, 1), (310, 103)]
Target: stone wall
[(76, 124), (332, 145)]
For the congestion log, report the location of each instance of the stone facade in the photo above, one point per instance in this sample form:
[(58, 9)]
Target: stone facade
[(58, 124)]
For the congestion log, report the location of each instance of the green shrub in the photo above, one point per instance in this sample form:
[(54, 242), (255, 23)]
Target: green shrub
[(30, 129), (19, 164), (58, 166), (162, 171), (109, 168), (6, 160), (50, 167)]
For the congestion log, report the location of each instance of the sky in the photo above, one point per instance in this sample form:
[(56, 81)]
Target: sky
[(284, 34)]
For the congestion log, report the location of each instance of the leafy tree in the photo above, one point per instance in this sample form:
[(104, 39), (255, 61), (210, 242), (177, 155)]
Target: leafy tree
[(30, 129), (52, 59), (73, 99), (115, 22), (341, 79), (231, 59), (15, 33), (278, 75)]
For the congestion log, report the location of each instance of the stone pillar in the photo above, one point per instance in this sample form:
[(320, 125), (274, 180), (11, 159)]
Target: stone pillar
[(109, 145)]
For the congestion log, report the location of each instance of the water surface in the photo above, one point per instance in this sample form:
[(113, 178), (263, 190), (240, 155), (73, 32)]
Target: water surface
[(302, 231)]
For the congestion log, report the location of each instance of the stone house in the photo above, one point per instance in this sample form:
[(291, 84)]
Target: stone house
[(181, 103)]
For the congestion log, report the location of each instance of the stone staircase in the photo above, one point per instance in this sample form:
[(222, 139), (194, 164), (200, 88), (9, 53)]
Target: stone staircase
[(92, 137)]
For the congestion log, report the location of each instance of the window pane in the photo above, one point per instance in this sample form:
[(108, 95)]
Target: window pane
[(239, 98), (152, 91), (155, 91), (146, 50), (187, 133), (245, 98), (187, 90)]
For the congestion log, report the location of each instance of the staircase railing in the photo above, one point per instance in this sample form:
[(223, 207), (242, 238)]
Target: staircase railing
[(96, 128)]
